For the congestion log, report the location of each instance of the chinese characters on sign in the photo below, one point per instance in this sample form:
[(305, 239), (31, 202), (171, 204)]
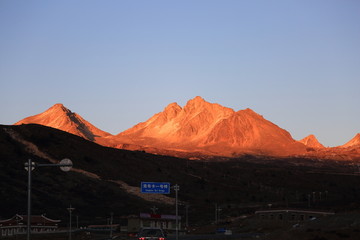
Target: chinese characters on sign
[(155, 187)]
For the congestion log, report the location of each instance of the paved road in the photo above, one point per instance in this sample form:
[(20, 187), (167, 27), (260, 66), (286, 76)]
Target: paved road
[(235, 236), (216, 236)]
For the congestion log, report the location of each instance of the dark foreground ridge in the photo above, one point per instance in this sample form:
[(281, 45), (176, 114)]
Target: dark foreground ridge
[(103, 177)]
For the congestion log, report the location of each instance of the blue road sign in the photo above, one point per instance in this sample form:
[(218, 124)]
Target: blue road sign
[(155, 187)]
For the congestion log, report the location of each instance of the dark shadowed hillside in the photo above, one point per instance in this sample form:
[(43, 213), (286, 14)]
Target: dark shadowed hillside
[(107, 180)]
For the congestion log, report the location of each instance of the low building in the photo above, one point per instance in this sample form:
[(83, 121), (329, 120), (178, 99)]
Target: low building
[(18, 225), (166, 222), (290, 215)]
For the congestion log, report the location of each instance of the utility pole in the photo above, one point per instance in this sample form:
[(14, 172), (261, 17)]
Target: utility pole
[(29, 169), (215, 213), (176, 188), (111, 223), (217, 210), (70, 209), (187, 215)]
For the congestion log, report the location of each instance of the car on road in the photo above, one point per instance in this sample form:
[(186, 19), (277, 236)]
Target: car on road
[(151, 234)]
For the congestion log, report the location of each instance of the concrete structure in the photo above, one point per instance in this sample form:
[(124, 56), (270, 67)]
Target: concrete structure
[(18, 225)]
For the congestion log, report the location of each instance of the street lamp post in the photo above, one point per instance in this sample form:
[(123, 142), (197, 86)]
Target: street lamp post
[(65, 165), (29, 169)]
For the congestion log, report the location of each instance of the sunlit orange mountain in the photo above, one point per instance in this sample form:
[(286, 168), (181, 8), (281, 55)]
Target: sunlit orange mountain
[(62, 118), (353, 142), (198, 128), (311, 141), (212, 129)]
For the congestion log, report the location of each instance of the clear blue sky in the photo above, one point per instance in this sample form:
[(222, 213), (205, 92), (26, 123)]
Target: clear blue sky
[(116, 63)]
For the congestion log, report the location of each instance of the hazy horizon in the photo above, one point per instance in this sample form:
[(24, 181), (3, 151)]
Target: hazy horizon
[(117, 63)]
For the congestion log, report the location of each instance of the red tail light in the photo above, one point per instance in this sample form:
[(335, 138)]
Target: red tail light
[(141, 238), (161, 238)]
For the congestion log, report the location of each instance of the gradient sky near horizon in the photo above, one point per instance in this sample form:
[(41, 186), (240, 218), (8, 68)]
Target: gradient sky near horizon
[(117, 63)]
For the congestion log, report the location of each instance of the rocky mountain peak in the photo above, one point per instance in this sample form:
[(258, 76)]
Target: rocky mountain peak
[(196, 101), (195, 104), (311, 141), (172, 110), (60, 117), (198, 105), (58, 106), (201, 126)]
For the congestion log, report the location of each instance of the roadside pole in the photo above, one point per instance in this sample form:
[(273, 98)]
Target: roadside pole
[(70, 209), (176, 188), (111, 223), (29, 169), (65, 165)]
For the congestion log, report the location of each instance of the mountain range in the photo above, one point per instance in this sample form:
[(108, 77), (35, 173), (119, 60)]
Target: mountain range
[(198, 129)]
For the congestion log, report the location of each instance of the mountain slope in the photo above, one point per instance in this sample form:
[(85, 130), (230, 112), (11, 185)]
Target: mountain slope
[(60, 117), (176, 124), (311, 141), (212, 129), (354, 142)]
